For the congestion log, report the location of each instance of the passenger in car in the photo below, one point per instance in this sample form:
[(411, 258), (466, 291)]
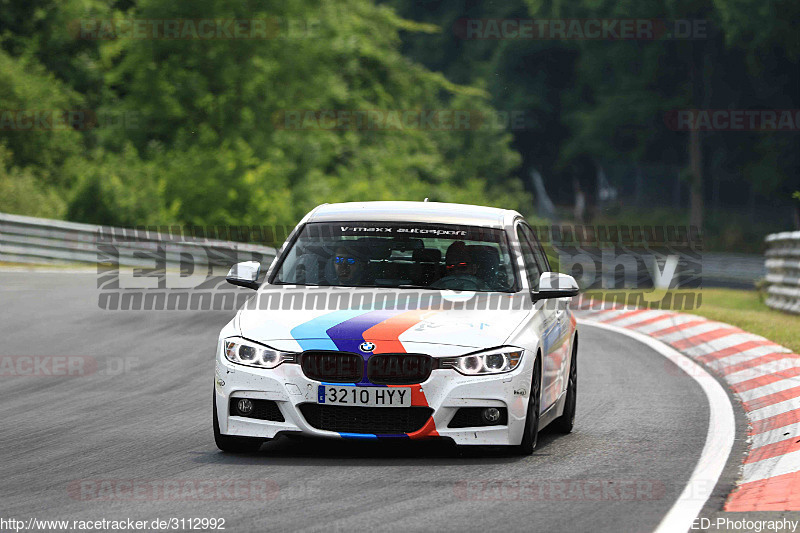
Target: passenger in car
[(458, 262), (487, 266), (460, 270)]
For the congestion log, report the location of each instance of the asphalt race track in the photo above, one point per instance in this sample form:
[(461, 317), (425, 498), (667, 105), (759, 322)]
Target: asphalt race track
[(144, 413)]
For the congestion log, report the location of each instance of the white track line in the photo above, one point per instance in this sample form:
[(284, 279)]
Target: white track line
[(719, 438)]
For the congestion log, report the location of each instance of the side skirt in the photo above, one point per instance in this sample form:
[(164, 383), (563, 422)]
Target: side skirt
[(553, 412)]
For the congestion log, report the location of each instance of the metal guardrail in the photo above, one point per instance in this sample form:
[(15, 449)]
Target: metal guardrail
[(783, 271), (727, 269), (43, 241)]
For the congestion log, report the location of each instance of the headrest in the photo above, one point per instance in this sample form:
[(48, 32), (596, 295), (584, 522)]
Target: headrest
[(353, 248), (481, 252), (457, 253), (365, 249), (427, 255), (404, 245)]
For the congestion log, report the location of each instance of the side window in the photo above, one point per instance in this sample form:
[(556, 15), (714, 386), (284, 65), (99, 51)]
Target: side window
[(532, 270), (538, 252)]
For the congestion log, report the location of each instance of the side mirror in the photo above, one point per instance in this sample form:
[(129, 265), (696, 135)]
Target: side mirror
[(244, 274), (555, 285)]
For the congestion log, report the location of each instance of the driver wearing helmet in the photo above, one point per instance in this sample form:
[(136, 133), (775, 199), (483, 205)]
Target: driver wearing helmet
[(460, 270)]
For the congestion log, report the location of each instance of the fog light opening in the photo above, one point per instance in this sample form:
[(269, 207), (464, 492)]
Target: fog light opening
[(491, 415), (244, 406)]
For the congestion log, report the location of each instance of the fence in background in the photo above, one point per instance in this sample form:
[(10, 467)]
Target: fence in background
[(783, 271), (43, 241)]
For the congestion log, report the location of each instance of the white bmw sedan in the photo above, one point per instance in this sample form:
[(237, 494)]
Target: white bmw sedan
[(400, 320)]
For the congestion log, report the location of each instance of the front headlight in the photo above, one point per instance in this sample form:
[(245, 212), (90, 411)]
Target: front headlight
[(244, 352), (496, 361)]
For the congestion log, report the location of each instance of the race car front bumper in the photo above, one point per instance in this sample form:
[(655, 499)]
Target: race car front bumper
[(444, 392)]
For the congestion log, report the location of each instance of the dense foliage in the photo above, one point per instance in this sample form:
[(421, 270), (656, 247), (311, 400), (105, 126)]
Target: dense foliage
[(604, 106), (190, 130)]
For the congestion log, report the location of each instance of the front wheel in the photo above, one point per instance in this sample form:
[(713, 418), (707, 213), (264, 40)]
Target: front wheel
[(531, 432), (565, 422), (228, 443)]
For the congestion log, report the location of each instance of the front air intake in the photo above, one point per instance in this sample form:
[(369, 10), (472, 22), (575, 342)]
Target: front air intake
[(332, 367), (371, 420)]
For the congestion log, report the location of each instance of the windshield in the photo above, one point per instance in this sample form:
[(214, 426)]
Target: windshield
[(400, 255)]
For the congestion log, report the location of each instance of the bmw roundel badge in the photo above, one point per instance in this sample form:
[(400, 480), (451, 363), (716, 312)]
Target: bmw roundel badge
[(367, 346)]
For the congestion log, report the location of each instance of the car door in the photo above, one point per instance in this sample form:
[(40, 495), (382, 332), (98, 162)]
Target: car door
[(561, 333), (545, 319)]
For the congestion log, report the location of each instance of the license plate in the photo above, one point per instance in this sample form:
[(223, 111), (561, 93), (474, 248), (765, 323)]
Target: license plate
[(364, 396)]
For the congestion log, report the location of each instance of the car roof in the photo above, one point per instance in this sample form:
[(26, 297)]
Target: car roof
[(435, 212)]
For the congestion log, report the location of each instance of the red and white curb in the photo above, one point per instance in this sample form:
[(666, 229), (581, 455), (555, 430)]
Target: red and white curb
[(763, 375)]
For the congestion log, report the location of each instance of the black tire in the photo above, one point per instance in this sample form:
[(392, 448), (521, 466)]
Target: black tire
[(531, 431), (230, 444), (565, 422)]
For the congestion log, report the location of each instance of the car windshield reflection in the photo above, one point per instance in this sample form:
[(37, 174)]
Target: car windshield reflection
[(399, 255)]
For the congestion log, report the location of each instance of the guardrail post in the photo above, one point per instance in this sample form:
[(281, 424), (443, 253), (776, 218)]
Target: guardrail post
[(783, 271)]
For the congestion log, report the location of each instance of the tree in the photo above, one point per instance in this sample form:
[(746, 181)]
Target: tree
[(212, 112), (207, 144)]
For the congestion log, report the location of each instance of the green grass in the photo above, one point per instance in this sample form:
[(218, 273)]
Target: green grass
[(746, 310), (743, 309)]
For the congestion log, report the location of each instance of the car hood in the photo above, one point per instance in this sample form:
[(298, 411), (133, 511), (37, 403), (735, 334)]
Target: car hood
[(394, 320)]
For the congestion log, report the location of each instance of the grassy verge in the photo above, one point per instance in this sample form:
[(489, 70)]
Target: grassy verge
[(743, 309)]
